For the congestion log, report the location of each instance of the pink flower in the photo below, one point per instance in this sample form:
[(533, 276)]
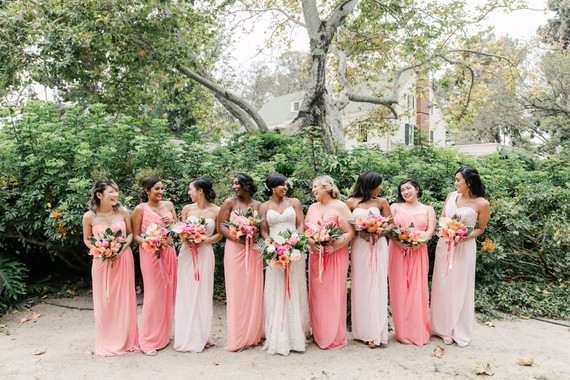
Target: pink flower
[(104, 243)]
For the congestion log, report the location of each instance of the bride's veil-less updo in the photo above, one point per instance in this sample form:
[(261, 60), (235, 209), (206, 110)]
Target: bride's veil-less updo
[(473, 180), (99, 187), (246, 183), (327, 183), (366, 183), (272, 181)]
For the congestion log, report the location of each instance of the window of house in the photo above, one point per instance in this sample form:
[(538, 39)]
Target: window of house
[(295, 106)]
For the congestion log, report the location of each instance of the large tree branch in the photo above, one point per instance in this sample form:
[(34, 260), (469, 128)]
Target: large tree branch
[(338, 14), (312, 18)]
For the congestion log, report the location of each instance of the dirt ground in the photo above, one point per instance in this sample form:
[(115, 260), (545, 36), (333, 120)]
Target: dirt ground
[(58, 343)]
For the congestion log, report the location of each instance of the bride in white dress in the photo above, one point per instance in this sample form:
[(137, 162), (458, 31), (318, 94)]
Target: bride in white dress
[(287, 330)]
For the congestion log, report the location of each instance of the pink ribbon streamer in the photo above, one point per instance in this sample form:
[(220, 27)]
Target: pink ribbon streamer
[(373, 252), (163, 274), (248, 245), (322, 262), (286, 291), (106, 281), (195, 262), (449, 257)]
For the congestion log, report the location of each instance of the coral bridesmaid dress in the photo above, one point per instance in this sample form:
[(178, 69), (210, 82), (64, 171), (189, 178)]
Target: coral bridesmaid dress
[(369, 286), (194, 308), (327, 299), (115, 300), (453, 293), (244, 294), (409, 294), (159, 278)]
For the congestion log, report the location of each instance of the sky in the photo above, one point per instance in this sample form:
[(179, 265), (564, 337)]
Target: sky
[(520, 24)]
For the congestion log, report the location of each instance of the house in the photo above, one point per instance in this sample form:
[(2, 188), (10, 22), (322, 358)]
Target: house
[(419, 117)]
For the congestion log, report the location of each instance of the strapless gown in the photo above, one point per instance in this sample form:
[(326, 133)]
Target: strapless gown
[(369, 286), (194, 308), (453, 295), (116, 330), (287, 331), (409, 294)]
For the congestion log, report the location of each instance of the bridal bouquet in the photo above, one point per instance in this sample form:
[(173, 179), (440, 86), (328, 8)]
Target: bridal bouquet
[(108, 246), (410, 235), (192, 233), (373, 224), (323, 236), (156, 237), (280, 251)]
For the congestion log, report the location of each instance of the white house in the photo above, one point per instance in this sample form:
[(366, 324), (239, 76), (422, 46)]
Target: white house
[(417, 114)]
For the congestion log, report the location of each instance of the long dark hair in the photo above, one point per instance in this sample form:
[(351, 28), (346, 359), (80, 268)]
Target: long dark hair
[(473, 180), (367, 181), (246, 183), (205, 185), (99, 187), (414, 184), (147, 184), (272, 181)]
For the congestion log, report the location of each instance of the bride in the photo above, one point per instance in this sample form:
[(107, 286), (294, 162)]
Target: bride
[(285, 329)]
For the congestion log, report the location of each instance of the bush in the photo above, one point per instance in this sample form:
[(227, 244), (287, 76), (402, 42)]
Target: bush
[(51, 155)]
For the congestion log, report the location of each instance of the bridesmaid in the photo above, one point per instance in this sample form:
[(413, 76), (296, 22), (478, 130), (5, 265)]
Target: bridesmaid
[(114, 297), (453, 285), (159, 275), (408, 275), (286, 327), (369, 274), (194, 308), (327, 299), (244, 289)]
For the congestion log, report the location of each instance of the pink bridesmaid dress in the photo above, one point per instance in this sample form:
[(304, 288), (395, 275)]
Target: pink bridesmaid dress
[(244, 293), (159, 278), (114, 300), (453, 293), (327, 299), (194, 292), (369, 286), (409, 295)]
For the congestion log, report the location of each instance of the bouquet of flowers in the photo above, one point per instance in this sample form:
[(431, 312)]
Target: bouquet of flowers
[(244, 224), (108, 246), (452, 231), (410, 235), (323, 235), (156, 237), (373, 224), (280, 251), (192, 233)]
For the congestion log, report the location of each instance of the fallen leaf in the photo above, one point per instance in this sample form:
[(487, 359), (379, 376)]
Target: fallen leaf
[(537, 289), (524, 317), (438, 352), (39, 352), (36, 315), (483, 370), (139, 290), (15, 312), (526, 362), (70, 292), (216, 363), (24, 320), (490, 324)]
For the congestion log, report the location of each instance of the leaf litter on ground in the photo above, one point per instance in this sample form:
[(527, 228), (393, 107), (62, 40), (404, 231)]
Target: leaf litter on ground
[(483, 370)]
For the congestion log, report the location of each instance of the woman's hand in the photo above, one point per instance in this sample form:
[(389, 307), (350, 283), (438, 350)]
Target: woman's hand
[(166, 220)]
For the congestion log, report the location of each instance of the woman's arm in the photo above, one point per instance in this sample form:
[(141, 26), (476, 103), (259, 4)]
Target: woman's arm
[(216, 236), (387, 213), (224, 216), (136, 220), (482, 220), (264, 227), (398, 243), (129, 226), (87, 229), (344, 218), (300, 218), (432, 224)]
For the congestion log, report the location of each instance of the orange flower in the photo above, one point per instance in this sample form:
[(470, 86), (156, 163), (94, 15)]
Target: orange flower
[(403, 236), (309, 232), (279, 264), (372, 228), (284, 259), (444, 235), (197, 238)]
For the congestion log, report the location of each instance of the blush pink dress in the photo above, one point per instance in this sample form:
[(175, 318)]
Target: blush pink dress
[(453, 294), (194, 308), (114, 300), (369, 286), (409, 295), (327, 299), (159, 278), (244, 294)]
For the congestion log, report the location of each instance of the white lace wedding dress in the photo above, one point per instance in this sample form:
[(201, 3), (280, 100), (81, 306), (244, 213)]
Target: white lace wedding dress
[(285, 331)]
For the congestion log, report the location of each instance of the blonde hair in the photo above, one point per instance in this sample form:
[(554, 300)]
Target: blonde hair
[(327, 183)]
